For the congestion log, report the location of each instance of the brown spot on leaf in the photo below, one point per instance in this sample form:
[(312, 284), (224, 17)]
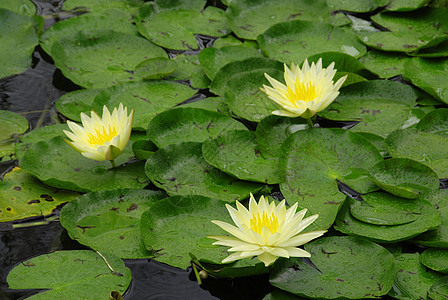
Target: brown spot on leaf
[(33, 201), (132, 207), (17, 188), (47, 197)]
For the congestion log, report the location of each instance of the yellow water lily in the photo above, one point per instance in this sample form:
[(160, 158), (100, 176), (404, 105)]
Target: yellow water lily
[(266, 231), (101, 138), (307, 91)]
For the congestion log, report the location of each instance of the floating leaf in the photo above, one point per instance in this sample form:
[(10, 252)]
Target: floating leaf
[(100, 5), (435, 122), (102, 58), (161, 5), (72, 104), (180, 169), (404, 177), (406, 5), (385, 64), (439, 290), (435, 259), (77, 274), (360, 6), (294, 41), (12, 124), (339, 267), (189, 68), (109, 221), (248, 19), (155, 68), (188, 124), (21, 7), (23, 196), (237, 152)]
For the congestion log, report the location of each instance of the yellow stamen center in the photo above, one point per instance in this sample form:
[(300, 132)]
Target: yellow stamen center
[(257, 222), (305, 91), (101, 136)]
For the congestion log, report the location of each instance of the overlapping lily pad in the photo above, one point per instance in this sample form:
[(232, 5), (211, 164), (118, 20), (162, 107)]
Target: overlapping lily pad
[(412, 280), (156, 68), (339, 267), (296, 40), (237, 152), (315, 160), (360, 6), (77, 274), (109, 221), (385, 64), (147, 98), (180, 169), (175, 29), (406, 5), (188, 124), (18, 33), (57, 164), (102, 58), (12, 124), (404, 177), (23, 196), (100, 5), (435, 122), (21, 7), (189, 68), (436, 259), (72, 104), (439, 290)]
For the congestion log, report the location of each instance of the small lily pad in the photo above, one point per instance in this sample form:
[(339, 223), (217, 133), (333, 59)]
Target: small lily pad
[(77, 274), (72, 104), (155, 68), (339, 267), (188, 124), (100, 5), (385, 64), (406, 5), (237, 152), (12, 124), (439, 290), (435, 259), (404, 177), (21, 7), (359, 6), (23, 196), (180, 169), (189, 68), (435, 122), (109, 221)]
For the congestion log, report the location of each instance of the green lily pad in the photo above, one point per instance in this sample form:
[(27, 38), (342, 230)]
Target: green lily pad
[(237, 152), (435, 259), (57, 164), (23, 196), (412, 281), (385, 64), (143, 149), (12, 124), (155, 68), (429, 75), (102, 58), (209, 103), (439, 50), (406, 5), (112, 19), (404, 177), (76, 274), (248, 19), (439, 290), (161, 5), (189, 68), (294, 41), (240, 268), (188, 124), (427, 148), (177, 226), (175, 29), (376, 140), (435, 122), (278, 294), (340, 267), (382, 209), (100, 5), (18, 34), (180, 169), (439, 236), (429, 219), (21, 7), (147, 98), (212, 59), (359, 6), (72, 104), (109, 221), (315, 160)]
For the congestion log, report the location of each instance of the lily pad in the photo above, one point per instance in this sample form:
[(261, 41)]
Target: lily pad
[(77, 274), (180, 169), (359, 6), (18, 33), (72, 104), (57, 164), (429, 219), (429, 75), (248, 19), (315, 160), (212, 59), (382, 209), (100, 5), (435, 122), (412, 280), (339, 267), (237, 152), (406, 5), (404, 177), (161, 5), (385, 64), (210, 103), (189, 68), (12, 124), (435, 259), (109, 221), (439, 290), (102, 58), (147, 98), (427, 148), (188, 124), (175, 29), (156, 68), (294, 41), (21, 7), (24, 196)]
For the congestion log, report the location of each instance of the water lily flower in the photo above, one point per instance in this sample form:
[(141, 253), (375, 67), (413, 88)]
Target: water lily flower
[(266, 231), (101, 138), (307, 91)]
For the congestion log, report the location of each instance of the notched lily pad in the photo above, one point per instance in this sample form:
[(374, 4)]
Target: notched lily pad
[(435, 122), (435, 259), (155, 68)]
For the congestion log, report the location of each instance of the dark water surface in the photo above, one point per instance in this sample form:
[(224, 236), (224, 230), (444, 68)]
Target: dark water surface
[(33, 94)]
